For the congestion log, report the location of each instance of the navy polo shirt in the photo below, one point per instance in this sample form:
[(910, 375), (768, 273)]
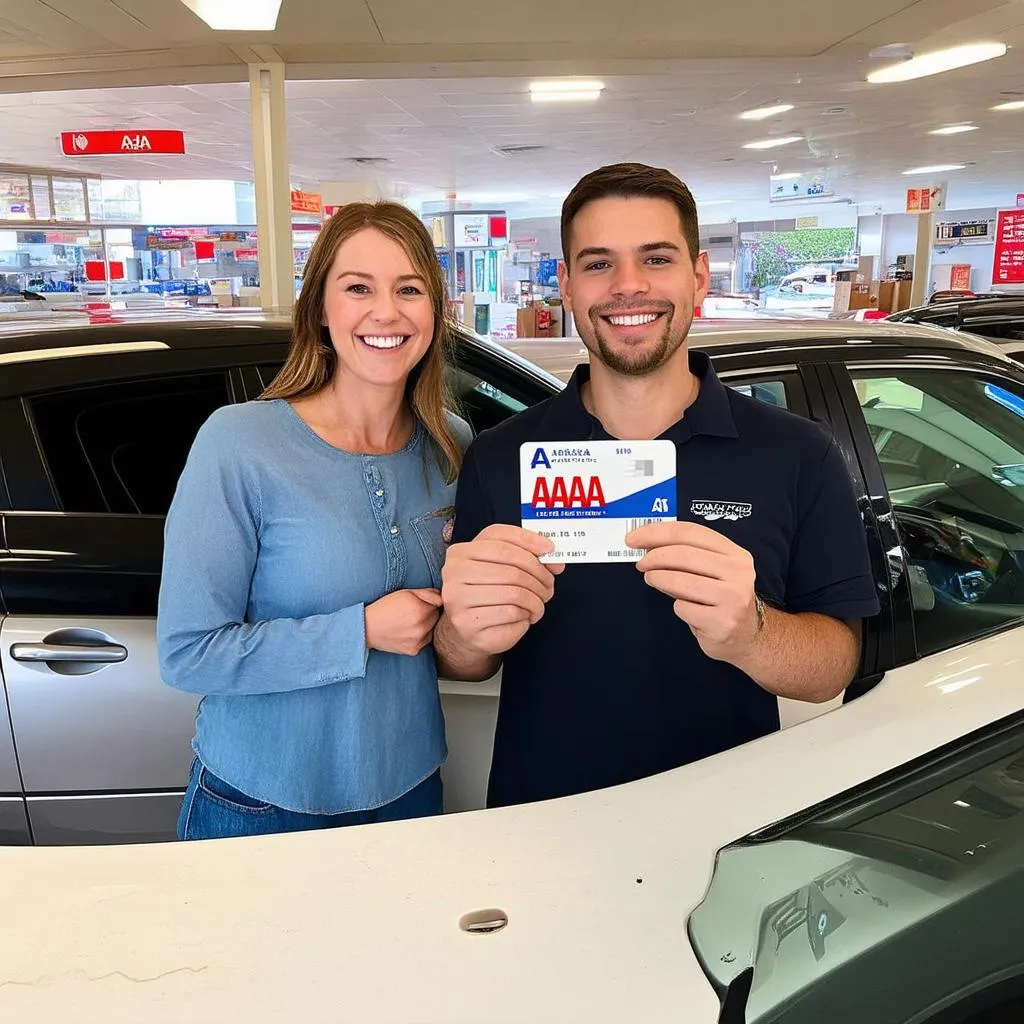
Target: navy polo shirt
[(610, 685)]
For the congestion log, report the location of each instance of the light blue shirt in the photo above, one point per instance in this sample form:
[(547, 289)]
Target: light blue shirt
[(275, 543)]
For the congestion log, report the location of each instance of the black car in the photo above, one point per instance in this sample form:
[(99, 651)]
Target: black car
[(1000, 319), (96, 422)]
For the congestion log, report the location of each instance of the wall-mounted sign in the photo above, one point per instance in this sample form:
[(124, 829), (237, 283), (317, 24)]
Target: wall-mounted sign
[(471, 230), (791, 188), (1008, 265), (163, 241), (114, 143), (247, 255), (977, 231), (307, 202), (806, 223), (929, 199), (960, 277)]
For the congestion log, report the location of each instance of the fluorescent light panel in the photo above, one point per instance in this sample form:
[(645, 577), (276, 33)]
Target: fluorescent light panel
[(566, 89), (784, 140), (761, 113), (937, 62), (1012, 105), (954, 129), (936, 169), (237, 15)]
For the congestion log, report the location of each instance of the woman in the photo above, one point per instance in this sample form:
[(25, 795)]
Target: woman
[(303, 553)]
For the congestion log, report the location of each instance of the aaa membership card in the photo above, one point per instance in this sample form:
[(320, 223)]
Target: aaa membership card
[(586, 496)]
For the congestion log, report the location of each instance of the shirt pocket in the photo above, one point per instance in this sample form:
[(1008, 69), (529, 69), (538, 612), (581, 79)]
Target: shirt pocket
[(434, 532)]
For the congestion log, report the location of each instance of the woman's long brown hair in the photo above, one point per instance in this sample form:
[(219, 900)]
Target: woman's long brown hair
[(311, 363)]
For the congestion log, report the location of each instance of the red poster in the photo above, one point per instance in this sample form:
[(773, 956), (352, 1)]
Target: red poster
[(116, 143), (960, 277), (1008, 266)]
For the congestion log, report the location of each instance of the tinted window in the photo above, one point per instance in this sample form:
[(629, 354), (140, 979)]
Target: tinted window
[(886, 905), (121, 447), (951, 448)]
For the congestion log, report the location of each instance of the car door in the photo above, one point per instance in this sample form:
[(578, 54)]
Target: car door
[(941, 442), (91, 455)]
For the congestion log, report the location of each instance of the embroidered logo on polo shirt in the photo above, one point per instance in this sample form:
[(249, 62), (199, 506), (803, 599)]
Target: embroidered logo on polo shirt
[(710, 511)]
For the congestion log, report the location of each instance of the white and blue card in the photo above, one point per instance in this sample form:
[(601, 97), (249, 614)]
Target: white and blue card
[(586, 496)]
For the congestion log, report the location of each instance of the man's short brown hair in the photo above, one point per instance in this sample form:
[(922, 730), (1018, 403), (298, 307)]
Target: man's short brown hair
[(631, 181)]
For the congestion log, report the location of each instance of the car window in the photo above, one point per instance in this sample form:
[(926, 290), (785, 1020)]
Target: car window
[(920, 867), (771, 392), (120, 447), (951, 449)]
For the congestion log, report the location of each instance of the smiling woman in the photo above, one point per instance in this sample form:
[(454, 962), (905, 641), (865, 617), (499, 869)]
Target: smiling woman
[(303, 553)]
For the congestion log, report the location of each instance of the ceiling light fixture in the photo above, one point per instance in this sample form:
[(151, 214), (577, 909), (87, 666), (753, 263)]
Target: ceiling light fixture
[(954, 129), (566, 89), (937, 62), (936, 169), (761, 113), (1012, 105), (236, 16), (784, 140)]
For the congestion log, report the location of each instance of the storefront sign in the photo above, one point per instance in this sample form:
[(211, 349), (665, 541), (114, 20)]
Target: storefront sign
[(166, 241), (307, 202), (107, 143), (930, 199), (1008, 265)]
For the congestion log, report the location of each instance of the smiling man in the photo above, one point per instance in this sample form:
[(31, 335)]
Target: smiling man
[(613, 671)]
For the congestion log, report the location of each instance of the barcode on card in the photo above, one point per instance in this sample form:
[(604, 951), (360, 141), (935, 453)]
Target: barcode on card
[(636, 524)]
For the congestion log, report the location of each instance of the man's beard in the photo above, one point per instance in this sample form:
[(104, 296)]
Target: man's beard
[(644, 358)]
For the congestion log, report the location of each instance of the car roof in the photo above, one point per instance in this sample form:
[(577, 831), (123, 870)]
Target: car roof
[(961, 311), (723, 336), (25, 339)]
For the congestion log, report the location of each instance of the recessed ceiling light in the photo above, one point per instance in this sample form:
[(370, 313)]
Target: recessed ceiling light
[(936, 169), (235, 16), (936, 62), (1011, 105), (760, 113), (784, 140), (954, 129), (565, 89)]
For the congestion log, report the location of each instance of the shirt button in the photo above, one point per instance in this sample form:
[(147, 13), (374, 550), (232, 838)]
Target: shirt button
[(379, 493), (394, 530)]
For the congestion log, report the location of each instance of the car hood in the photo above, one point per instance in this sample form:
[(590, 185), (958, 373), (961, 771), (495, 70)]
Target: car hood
[(364, 923)]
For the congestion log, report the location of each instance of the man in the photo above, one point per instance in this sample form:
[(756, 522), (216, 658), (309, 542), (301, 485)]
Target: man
[(613, 672)]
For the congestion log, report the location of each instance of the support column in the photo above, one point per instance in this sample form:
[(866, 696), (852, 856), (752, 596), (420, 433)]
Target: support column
[(921, 285), (272, 186)]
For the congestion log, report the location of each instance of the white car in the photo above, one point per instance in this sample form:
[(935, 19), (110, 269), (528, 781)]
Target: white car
[(865, 863)]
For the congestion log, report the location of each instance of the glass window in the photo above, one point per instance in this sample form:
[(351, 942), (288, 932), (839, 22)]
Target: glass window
[(15, 197), (41, 197), (69, 199), (121, 447), (951, 448), (771, 392)]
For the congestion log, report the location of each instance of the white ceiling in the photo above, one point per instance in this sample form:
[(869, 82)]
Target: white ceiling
[(436, 94)]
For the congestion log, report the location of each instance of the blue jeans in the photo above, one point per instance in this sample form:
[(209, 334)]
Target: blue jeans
[(214, 810)]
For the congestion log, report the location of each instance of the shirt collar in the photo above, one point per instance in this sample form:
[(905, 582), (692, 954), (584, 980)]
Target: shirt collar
[(709, 415)]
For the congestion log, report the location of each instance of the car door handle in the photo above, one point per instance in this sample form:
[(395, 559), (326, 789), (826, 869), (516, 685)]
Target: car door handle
[(106, 654)]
